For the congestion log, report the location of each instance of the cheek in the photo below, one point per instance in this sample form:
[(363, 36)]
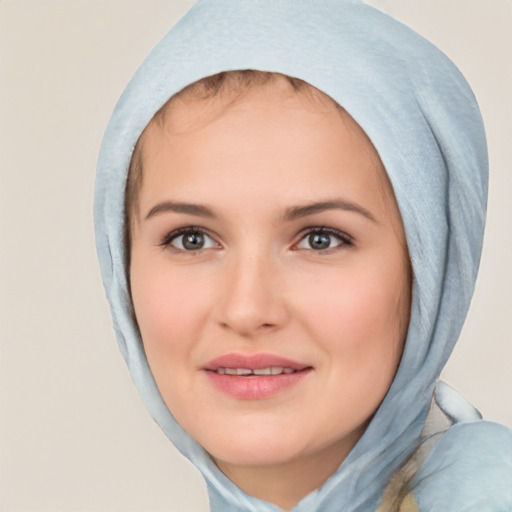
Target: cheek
[(171, 314), (358, 315), (169, 307)]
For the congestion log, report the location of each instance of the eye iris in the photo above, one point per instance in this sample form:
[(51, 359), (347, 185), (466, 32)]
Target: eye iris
[(319, 241), (193, 241)]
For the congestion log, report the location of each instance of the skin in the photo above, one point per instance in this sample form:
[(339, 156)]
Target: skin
[(258, 285)]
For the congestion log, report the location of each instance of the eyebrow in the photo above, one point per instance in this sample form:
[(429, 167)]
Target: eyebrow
[(188, 208), (290, 214), (298, 212)]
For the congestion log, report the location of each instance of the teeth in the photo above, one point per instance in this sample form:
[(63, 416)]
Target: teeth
[(262, 371), (273, 370)]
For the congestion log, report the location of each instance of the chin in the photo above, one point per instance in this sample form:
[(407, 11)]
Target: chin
[(254, 448)]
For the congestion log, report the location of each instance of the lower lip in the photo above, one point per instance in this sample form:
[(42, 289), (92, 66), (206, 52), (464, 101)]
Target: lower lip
[(255, 387)]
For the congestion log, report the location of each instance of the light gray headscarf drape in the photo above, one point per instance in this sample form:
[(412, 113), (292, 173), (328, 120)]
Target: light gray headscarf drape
[(422, 118)]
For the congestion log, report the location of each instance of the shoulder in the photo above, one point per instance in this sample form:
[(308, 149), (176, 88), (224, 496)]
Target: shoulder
[(468, 469)]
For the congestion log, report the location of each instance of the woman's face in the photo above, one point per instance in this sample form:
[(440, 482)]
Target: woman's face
[(269, 275)]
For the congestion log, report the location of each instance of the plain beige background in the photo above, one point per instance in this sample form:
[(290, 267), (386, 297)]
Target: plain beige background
[(74, 435)]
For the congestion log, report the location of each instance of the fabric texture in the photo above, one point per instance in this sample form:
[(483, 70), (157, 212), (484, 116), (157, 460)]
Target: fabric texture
[(423, 119)]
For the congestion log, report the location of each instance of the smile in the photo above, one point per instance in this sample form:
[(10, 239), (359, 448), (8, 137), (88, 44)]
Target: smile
[(255, 376)]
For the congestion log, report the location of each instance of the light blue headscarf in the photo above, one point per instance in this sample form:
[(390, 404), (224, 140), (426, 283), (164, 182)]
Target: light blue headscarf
[(423, 120)]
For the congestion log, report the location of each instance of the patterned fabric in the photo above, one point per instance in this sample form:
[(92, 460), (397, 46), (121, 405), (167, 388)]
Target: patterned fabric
[(424, 122)]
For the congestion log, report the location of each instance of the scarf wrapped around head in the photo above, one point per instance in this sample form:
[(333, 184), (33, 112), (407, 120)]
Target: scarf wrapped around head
[(422, 118)]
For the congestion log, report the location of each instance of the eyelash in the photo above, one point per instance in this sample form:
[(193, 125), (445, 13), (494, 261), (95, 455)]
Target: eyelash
[(344, 239), (180, 232)]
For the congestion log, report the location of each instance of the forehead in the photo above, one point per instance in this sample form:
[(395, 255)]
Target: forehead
[(200, 105), (270, 126)]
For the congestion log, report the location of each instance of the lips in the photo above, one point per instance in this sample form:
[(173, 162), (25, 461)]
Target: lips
[(256, 376)]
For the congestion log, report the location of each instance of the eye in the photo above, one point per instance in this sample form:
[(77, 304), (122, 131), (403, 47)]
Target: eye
[(189, 239), (321, 239)]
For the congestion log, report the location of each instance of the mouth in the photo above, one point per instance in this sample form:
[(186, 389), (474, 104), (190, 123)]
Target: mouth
[(255, 377)]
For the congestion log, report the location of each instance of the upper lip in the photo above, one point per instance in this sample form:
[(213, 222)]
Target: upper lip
[(253, 362)]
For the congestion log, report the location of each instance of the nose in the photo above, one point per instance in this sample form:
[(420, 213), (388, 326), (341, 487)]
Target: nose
[(251, 298)]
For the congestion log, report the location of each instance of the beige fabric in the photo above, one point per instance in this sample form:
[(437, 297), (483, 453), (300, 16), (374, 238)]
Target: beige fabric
[(409, 504)]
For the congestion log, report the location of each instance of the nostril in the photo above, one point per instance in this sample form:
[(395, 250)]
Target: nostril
[(246, 330)]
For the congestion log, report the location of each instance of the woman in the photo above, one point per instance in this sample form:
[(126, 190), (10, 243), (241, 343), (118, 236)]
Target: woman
[(379, 98)]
